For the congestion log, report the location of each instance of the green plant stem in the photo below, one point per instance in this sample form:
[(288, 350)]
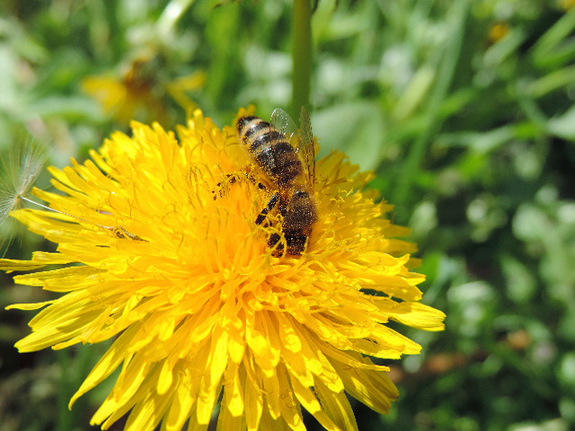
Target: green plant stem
[(301, 56)]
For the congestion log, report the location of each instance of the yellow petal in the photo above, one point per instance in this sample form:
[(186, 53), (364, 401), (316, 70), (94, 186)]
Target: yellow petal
[(11, 265)]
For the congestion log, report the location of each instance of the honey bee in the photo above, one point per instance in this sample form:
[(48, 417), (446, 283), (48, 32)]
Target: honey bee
[(286, 156)]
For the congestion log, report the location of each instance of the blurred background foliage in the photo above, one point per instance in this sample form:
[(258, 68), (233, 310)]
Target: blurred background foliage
[(464, 109)]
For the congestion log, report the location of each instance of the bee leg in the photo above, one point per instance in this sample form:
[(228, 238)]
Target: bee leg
[(232, 179), (274, 238), (255, 182), (219, 190), (275, 244), (271, 205)]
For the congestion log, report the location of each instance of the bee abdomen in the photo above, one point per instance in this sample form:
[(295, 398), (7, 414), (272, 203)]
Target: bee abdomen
[(246, 124), (280, 162), (270, 149), (269, 138), (250, 127)]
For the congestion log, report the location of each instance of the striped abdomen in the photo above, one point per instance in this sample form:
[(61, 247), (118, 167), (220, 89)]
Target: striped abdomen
[(271, 150)]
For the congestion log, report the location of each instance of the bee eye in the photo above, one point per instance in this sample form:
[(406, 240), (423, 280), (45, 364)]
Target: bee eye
[(301, 194)]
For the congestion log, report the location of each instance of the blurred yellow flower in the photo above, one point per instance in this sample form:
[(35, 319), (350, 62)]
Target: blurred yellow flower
[(140, 93), (200, 309), (498, 31)]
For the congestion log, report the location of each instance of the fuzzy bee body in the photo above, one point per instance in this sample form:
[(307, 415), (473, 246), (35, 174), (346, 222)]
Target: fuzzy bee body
[(271, 150), (279, 160)]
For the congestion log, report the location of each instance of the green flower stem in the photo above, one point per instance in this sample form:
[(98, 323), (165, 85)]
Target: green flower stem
[(301, 56)]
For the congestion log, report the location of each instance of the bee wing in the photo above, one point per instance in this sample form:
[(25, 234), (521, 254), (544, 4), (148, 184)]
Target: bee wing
[(300, 137), (282, 121), (307, 146)]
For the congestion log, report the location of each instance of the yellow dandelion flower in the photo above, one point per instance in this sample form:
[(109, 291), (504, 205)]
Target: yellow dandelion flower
[(159, 250), (133, 95), (140, 93)]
